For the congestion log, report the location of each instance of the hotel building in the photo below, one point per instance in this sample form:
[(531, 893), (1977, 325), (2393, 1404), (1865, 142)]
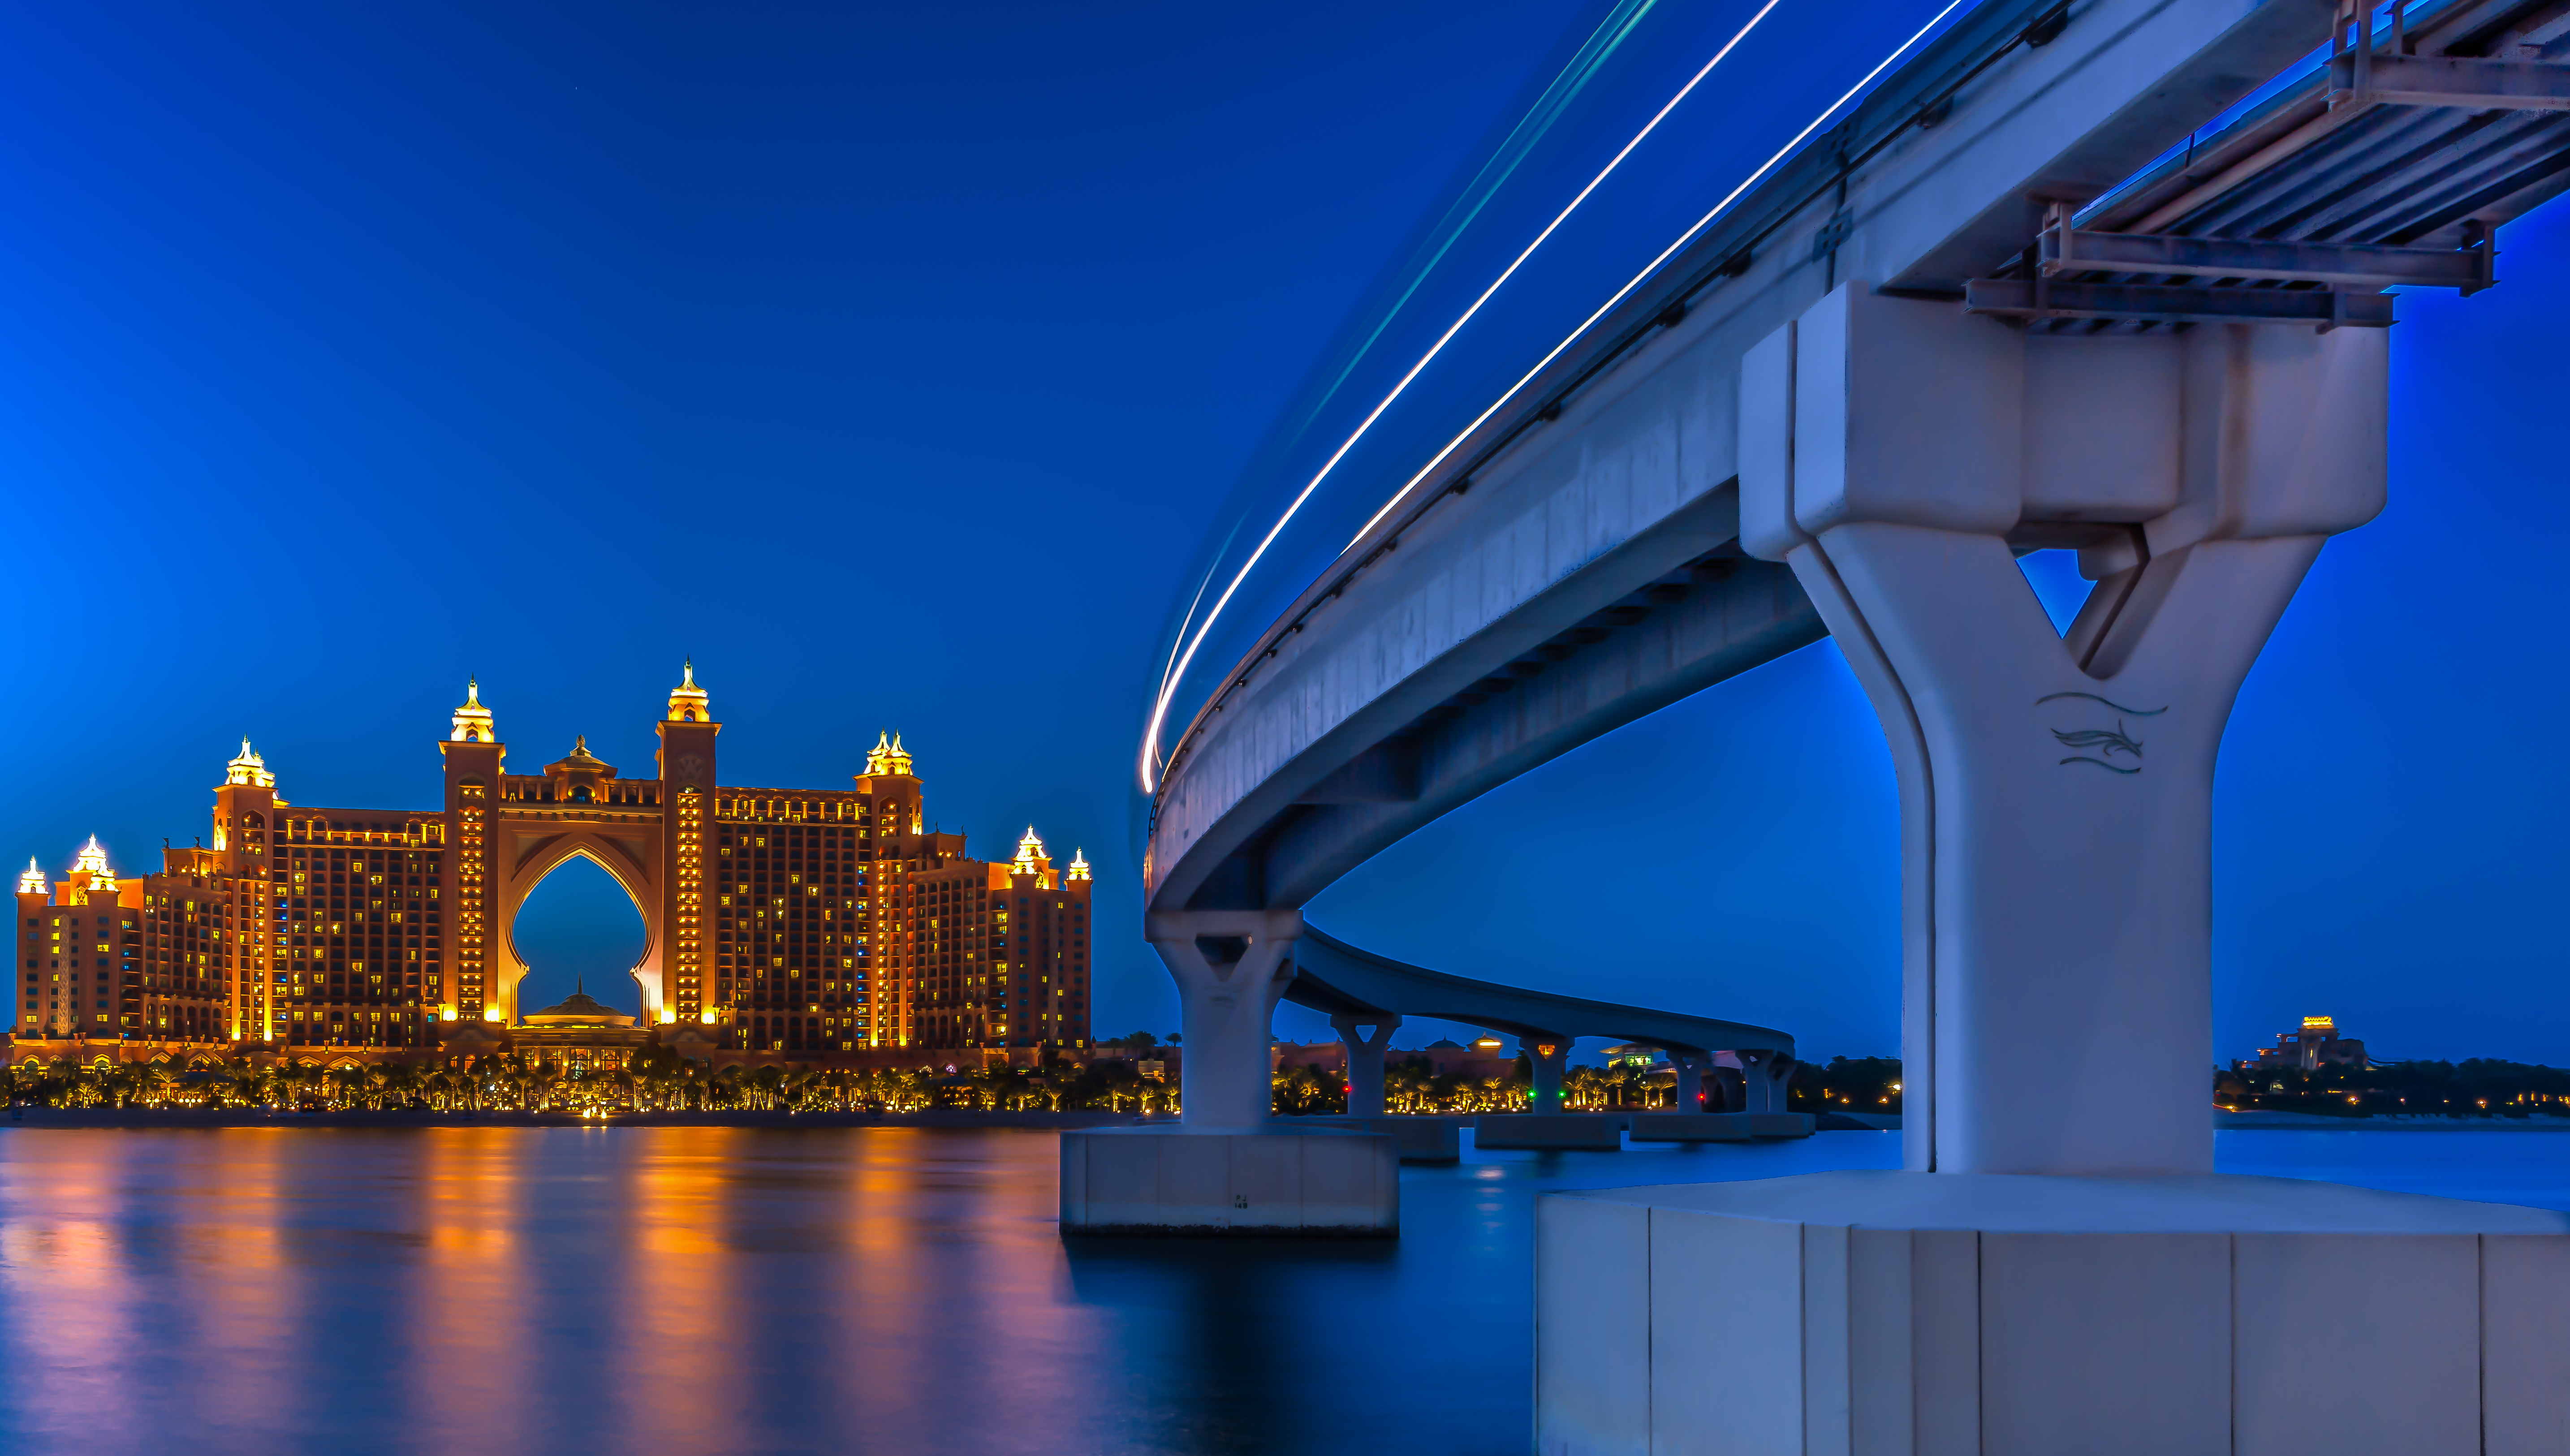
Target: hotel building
[(806, 922), (2308, 1048)]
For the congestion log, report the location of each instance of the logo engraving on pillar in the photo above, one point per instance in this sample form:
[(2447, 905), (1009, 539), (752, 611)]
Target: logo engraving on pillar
[(2100, 744)]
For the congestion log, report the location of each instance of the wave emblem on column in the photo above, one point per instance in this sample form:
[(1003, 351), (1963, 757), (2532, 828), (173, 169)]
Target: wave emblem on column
[(2100, 744)]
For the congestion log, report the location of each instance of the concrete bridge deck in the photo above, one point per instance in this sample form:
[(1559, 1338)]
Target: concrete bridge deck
[(1333, 977), (1574, 562), (1360, 989)]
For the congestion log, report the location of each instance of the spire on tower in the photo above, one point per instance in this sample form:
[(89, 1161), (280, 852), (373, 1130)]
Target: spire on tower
[(249, 769), (688, 702), (93, 863), (31, 879), (473, 721), (888, 755), (1079, 865), (1031, 860)]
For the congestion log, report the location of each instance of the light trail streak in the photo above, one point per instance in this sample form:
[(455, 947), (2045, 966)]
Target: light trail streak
[(1511, 154), (1652, 267), (1177, 671)]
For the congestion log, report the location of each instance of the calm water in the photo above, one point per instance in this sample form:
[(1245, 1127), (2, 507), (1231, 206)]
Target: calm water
[(704, 1290)]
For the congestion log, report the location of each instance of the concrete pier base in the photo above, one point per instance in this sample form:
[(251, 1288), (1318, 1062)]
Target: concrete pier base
[(1578, 1132), (1718, 1127), (1263, 1179), (2017, 1315), (1423, 1138)]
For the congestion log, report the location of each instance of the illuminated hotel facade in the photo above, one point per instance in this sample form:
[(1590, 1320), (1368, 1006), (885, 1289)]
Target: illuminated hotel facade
[(811, 923)]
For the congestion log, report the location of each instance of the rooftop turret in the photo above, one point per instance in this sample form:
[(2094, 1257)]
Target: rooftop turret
[(688, 702), (888, 757), (249, 769), (473, 721)]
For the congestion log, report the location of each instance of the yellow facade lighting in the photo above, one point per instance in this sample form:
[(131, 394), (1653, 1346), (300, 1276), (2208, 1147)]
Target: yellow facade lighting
[(473, 721)]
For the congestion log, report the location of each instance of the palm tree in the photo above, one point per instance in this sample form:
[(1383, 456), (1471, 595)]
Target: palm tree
[(403, 1083)]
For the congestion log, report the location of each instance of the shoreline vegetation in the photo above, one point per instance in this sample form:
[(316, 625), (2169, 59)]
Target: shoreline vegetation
[(654, 1080), (935, 1118), (657, 1084), (269, 1117), (2476, 1089)]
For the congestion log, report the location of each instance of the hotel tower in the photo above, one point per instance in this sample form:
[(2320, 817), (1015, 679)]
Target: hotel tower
[(806, 922)]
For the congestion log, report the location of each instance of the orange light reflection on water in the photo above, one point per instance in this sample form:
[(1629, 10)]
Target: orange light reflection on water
[(681, 1318), (465, 1327), (507, 1288)]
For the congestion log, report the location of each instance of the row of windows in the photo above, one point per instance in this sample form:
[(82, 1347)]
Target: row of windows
[(378, 863), (641, 792), (802, 814), (379, 833)]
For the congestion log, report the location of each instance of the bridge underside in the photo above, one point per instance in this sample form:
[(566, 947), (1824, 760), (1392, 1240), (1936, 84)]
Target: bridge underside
[(1573, 565), (1334, 977), (1664, 617)]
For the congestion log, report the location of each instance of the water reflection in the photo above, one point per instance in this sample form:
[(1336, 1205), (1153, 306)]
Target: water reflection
[(707, 1289)]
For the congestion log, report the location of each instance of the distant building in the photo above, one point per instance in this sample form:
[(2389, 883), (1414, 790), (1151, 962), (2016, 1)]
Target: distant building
[(996, 954), (81, 941), (1327, 1056), (1486, 1059), (798, 923), (580, 1034), (2312, 1047)]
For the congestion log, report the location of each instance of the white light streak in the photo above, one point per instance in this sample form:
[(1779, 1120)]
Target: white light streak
[(1175, 673), (1652, 267)]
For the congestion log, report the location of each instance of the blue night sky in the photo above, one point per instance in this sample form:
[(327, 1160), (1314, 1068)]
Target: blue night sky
[(895, 364)]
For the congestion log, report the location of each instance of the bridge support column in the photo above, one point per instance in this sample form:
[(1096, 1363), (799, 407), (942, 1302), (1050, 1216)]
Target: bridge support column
[(1688, 1095), (2056, 787), (1765, 1078), (1365, 1058), (1734, 1094), (2056, 808), (1227, 1168), (1546, 1055), (1231, 967)]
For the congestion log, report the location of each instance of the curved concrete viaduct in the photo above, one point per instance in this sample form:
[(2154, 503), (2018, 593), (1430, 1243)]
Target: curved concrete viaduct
[(2103, 275), (1575, 564), (1577, 561), (2005, 210), (1359, 989)]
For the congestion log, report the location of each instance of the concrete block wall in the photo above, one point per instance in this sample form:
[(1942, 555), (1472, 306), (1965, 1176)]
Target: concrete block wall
[(1855, 1317), (1183, 1180)]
